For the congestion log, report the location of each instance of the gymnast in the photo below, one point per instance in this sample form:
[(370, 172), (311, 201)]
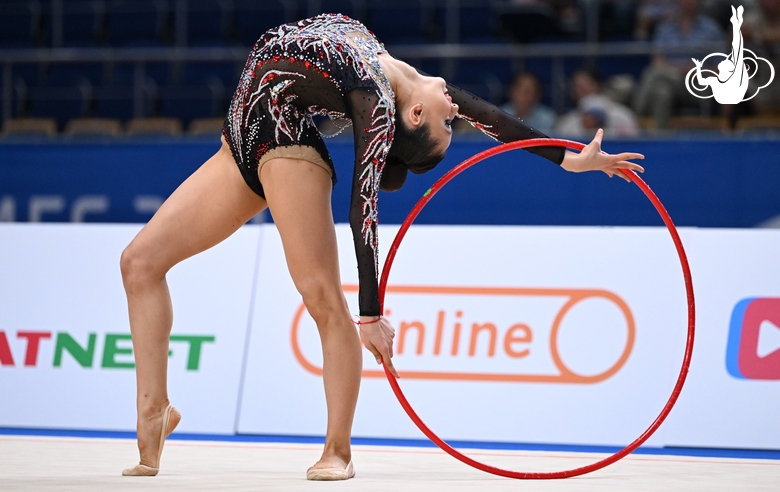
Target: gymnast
[(273, 156)]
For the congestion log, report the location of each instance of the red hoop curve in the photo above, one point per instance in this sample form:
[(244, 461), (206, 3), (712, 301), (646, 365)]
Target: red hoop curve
[(545, 142)]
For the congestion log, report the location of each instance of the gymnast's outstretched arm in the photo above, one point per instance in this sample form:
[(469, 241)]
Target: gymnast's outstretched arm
[(499, 125), (507, 128), (372, 126)]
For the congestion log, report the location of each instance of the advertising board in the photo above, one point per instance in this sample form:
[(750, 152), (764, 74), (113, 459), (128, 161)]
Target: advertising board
[(66, 358), (567, 335)]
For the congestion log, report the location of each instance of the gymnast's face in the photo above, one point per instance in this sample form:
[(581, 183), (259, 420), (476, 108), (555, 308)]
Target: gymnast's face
[(431, 105)]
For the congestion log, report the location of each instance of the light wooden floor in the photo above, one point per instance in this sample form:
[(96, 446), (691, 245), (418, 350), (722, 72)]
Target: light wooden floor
[(53, 463)]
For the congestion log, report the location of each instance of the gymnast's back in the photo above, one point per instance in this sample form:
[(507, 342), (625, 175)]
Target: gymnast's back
[(328, 65)]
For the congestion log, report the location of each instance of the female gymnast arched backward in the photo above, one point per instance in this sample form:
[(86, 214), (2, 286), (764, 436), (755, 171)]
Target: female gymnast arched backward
[(273, 156)]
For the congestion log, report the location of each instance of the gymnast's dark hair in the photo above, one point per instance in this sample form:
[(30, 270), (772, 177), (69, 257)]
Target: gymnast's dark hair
[(412, 150)]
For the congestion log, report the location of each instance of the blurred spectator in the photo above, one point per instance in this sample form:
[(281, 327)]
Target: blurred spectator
[(662, 87), (595, 110), (617, 19), (570, 15), (529, 19), (651, 13), (761, 31), (762, 26), (524, 95)]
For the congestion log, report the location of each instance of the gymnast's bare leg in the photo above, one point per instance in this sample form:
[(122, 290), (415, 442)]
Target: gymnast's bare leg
[(207, 208), (298, 194)]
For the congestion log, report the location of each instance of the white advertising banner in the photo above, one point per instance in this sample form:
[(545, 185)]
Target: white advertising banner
[(66, 357), (537, 334), (732, 396), (541, 334), (568, 335)]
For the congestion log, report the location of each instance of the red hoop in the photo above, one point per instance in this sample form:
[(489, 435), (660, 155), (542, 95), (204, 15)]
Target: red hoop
[(544, 142)]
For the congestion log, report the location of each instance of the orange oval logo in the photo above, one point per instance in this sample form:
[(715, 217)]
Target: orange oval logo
[(514, 338)]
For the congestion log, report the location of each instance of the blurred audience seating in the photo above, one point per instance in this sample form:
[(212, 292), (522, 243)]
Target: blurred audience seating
[(717, 123), (170, 127), (89, 127), (759, 123), (46, 127), (194, 92), (206, 126)]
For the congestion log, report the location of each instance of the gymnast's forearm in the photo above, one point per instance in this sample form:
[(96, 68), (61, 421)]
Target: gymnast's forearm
[(498, 124)]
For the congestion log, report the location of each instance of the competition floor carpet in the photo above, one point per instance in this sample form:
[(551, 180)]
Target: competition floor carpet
[(37, 463)]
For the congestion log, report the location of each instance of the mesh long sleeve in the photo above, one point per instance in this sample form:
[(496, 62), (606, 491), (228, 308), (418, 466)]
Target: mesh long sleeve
[(372, 121), (499, 125)]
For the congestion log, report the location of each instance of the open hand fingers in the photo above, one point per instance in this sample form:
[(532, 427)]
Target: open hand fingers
[(391, 368), (627, 156), (378, 339), (371, 348), (620, 173), (386, 348), (616, 172), (597, 139), (594, 147), (619, 161), (384, 353), (628, 165)]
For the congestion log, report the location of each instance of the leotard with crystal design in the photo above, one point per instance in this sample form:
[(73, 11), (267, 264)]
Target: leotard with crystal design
[(328, 65)]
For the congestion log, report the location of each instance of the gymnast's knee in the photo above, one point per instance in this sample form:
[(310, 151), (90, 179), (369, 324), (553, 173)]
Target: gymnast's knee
[(323, 300), (139, 268)]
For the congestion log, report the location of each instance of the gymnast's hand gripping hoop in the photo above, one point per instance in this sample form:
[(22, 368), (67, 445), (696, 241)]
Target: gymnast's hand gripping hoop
[(545, 142)]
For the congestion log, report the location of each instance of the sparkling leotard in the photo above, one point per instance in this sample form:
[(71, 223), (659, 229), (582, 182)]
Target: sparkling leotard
[(327, 65)]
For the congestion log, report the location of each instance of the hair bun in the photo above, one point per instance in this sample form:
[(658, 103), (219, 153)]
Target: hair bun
[(393, 175)]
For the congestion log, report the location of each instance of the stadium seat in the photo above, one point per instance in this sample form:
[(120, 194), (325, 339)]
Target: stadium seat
[(79, 127), (114, 102), (30, 126), (170, 127), (477, 69), (486, 78), (206, 126), (62, 102), (116, 97), (210, 22), (28, 73), (65, 74), (199, 90), (618, 65), (200, 73), (528, 22), (21, 24), (83, 23), (192, 102), (647, 124), (63, 91), (138, 22), (478, 23), (356, 9), (254, 18), (400, 21), (698, 123), (759, 123)]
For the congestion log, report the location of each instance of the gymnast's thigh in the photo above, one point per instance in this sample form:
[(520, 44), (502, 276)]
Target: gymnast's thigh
[(204, 210), (298, 194)]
